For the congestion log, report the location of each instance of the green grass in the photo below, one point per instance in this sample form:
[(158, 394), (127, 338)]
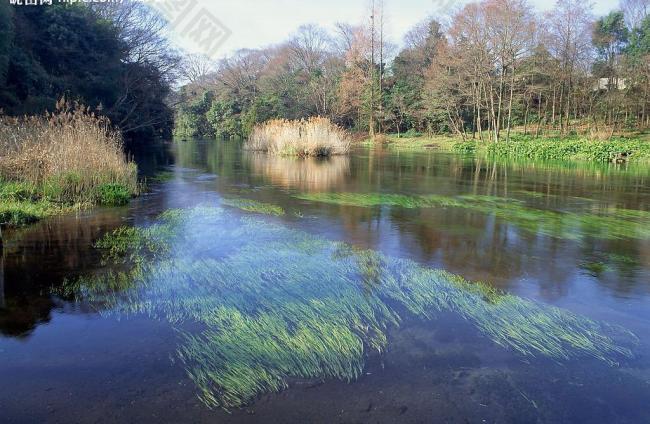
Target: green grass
[(274, 304), (17, 214), (521, 146), (610, 223), (113, 195), (22, 204), (249, 205), (413, 141), (565, 148)]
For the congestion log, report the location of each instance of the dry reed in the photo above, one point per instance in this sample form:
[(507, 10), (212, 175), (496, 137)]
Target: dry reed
[(66, 156), (315, 136)]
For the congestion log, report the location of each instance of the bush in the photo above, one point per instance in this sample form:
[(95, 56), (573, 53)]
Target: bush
[(411, 133), (59, 161)]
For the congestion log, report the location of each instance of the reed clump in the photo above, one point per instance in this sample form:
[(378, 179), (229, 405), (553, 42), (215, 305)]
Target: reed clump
[(315, 136), (69, 157)]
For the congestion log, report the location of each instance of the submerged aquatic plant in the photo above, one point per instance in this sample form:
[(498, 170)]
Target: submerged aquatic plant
[(611, 223), (275, 303), (249, 205)]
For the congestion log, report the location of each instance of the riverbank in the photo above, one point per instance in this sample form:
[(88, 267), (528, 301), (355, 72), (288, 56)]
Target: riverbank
[(574, 148), (60, 162)]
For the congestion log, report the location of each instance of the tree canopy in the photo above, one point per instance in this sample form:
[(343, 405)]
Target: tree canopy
[(86, 54)]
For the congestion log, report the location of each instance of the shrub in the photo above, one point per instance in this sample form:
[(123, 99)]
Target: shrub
[(411, 133), (311, 137)]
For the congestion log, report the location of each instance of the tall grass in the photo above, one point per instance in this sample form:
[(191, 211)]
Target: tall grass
[(70, 156), (311, 137)]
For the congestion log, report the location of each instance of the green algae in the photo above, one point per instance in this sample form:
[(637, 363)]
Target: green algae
[(272, 303), (604, 223)]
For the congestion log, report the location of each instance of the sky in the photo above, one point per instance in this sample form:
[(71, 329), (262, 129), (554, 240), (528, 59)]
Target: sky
[(258, 23)]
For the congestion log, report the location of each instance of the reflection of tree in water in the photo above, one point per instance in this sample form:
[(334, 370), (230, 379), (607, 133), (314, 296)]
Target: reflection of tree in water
[(40, 257)]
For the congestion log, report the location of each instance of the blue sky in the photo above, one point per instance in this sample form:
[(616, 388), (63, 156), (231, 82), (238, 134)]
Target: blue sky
[(256, 23)]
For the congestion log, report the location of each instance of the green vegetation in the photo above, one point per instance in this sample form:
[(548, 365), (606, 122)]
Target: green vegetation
[(413, 142), (254, 206), (275, 304), (161, 177), (521, 146), (610, 223), (113, 195), (616, 149), (91, 54), (595, 269), (65, 160)]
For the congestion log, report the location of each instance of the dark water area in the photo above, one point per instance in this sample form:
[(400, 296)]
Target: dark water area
[(387, 286)]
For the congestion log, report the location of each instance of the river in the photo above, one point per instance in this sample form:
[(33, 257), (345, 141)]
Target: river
[(383, 286)]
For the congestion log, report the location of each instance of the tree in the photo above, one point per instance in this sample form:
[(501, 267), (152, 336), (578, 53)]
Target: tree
[(568, 29), (119, 68), (635, 11)]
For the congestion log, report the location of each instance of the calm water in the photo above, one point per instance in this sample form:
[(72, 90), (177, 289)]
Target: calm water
[(365, 298)]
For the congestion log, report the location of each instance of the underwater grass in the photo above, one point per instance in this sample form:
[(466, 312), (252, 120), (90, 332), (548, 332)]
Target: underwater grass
[(275, 304), (161, 177), (249, 205), (605, 223)]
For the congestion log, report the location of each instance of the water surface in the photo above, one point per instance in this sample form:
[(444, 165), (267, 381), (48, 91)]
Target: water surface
[(384, 286)]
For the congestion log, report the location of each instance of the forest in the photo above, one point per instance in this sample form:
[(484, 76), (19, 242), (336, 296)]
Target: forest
[(492, 66), (112, 58)]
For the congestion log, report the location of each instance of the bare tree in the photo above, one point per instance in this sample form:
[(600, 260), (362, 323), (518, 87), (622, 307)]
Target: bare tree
[(197, 68), (635, 11), (568, 30)]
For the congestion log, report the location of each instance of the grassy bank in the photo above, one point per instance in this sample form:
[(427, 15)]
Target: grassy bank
[(413, 141), (574, 148), (61, 161), (312, 137), (616, 149)]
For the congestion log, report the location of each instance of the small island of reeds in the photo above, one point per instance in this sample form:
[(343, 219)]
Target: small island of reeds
[(315, 136)]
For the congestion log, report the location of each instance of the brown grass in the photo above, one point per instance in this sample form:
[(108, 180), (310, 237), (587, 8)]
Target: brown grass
[(66, 156), (311, 137)]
